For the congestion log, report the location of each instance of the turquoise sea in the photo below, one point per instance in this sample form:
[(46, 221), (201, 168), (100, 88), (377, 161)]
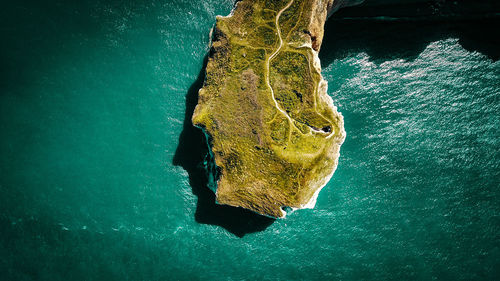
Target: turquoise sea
[(102, 176)]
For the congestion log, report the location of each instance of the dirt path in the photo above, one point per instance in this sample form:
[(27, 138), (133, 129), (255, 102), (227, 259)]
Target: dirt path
[(268, 62)]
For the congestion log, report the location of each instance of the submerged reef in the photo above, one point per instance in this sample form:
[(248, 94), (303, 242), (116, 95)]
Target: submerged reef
[(274, 132)]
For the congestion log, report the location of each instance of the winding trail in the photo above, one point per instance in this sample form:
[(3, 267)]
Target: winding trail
[(290, 121), (268, 81)]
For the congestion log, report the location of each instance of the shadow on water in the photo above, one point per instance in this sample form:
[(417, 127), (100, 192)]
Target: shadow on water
[(190, 154), (386, 40)]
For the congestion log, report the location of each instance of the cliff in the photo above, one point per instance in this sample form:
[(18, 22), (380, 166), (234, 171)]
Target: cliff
[(273, 130)]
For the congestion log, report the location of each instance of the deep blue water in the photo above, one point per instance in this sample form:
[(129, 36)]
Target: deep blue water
[(101, 174)]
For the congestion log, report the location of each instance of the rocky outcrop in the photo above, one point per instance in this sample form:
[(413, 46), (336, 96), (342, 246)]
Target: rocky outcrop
[(273, 130)]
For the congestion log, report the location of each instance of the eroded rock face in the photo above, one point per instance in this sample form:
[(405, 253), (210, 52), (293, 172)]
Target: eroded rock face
[(275, 133)]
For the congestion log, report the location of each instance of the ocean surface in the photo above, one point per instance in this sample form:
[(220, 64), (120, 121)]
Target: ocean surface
[(102, 176)]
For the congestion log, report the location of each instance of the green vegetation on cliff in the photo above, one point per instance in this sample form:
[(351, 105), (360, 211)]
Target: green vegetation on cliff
[(275, 133)]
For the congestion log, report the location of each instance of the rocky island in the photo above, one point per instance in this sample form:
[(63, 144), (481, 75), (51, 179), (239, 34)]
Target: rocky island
[(273, 131)]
